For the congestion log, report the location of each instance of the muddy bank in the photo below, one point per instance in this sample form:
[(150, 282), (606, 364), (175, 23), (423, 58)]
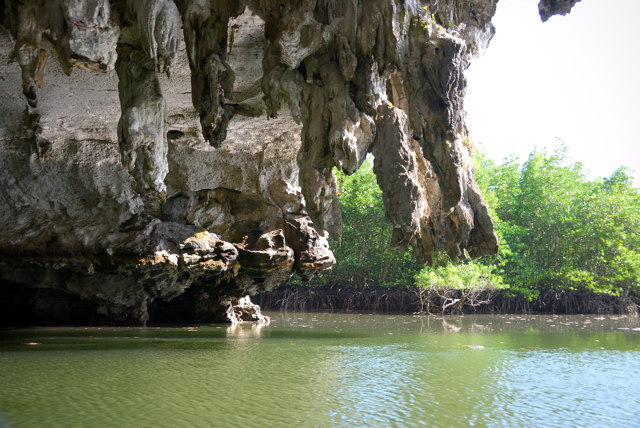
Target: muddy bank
[(433, 301)]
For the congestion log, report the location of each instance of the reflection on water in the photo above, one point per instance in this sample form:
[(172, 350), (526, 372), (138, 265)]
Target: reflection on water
[(328, 370), (245, 331)]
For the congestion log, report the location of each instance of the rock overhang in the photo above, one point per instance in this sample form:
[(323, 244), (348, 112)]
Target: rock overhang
[(201, 155)]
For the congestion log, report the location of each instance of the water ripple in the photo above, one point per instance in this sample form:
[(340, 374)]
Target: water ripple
[(319, 370)]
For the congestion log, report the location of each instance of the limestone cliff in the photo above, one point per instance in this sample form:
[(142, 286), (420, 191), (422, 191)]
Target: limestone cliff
[(161, 160)]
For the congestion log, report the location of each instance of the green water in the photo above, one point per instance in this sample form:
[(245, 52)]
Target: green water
[(307, 370)]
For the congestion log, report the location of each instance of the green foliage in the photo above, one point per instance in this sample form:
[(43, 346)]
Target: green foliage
[(563, 231), (471, 275), (558, 231), (429, 19), (363, 256)]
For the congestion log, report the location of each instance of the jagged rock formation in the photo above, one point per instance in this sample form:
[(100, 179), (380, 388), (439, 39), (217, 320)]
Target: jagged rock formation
[(185, 161), (548, 8)]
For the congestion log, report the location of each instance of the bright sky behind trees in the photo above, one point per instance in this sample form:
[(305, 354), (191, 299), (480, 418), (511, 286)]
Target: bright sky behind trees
[(575, 78)]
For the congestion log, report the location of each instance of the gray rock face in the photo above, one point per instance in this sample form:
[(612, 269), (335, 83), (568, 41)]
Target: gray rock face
[(548, 8), (179, 156)]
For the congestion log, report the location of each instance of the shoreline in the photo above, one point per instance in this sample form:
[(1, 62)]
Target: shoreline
[(412, 300)]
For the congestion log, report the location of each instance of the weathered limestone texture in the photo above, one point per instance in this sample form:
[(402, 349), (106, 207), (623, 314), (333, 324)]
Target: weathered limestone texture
[(548, 8), (176, 157)]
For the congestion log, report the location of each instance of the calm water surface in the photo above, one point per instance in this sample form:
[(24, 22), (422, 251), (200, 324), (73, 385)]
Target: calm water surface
[(328, 370)]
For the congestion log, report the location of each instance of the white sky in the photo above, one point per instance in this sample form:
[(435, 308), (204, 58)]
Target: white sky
[(575, 78)]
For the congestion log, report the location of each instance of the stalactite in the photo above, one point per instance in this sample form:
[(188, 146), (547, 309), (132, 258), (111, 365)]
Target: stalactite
[(166, 214), (141, 134), (206, 37), (29, 52)]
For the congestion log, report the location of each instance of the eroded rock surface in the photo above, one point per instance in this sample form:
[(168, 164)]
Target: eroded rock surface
[(548, 8), (162, 160)]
